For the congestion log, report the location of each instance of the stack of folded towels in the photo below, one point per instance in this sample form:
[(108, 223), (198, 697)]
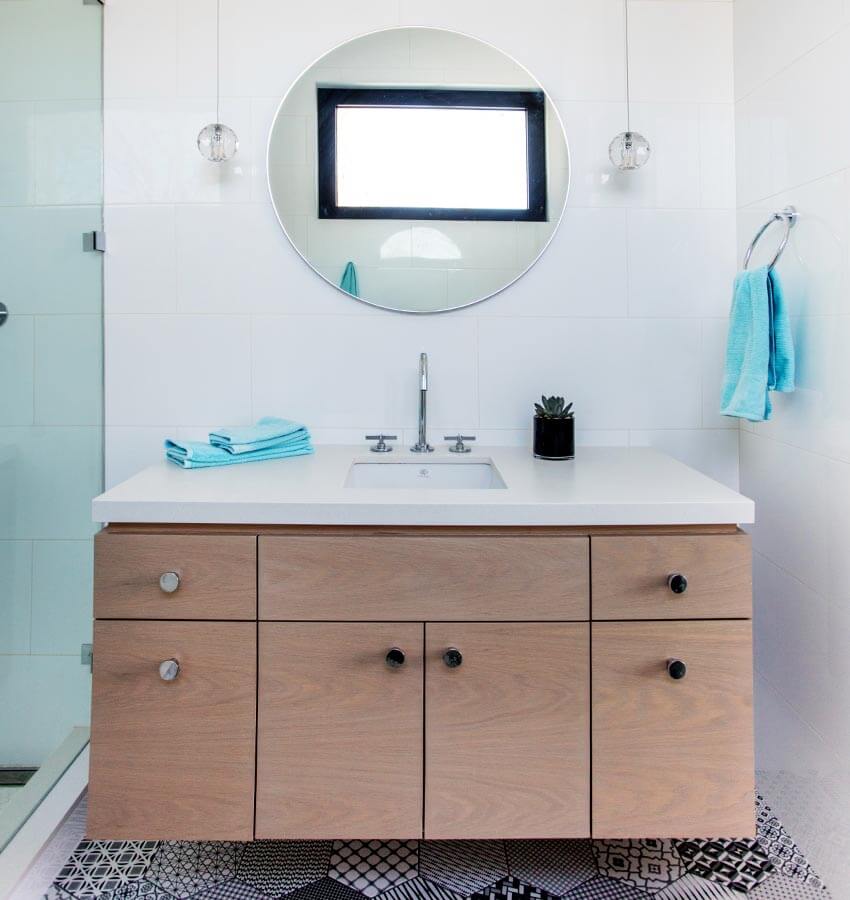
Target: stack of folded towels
[(270, 438)]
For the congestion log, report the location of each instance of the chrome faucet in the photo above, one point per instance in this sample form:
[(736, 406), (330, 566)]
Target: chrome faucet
[(422, 445)]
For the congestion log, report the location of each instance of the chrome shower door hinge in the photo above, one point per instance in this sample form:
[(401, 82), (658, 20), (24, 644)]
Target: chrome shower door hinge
[(87, 656), (94, 240)]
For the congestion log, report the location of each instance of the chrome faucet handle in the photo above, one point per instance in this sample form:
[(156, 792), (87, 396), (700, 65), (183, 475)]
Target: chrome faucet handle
[(459, 445), (382, 446)]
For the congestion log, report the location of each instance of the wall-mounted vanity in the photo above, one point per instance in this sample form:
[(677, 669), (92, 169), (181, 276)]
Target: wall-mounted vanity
[(278, 655), (481, 645)]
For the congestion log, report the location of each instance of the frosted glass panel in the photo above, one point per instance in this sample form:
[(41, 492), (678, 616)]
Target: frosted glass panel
[(426, 158), (51, 372)]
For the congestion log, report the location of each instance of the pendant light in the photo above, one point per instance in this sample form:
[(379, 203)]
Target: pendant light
[(217, 142), (629, 150)]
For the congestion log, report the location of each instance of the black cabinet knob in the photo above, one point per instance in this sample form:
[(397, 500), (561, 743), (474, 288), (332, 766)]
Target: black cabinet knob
[(452, 657), (395, 657), (676, 669), (677, 583)]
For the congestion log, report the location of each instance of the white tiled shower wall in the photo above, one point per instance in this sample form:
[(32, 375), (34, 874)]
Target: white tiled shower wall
[(212, 317), (792, 80)]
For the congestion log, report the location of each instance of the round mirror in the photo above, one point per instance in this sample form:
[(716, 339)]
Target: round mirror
[(418, 169)]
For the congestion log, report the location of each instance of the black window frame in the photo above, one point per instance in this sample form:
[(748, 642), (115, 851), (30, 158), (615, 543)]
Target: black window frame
[(533, 102)]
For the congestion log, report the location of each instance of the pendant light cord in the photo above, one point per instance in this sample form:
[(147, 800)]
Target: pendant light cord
[(217, 60), (628, 96)]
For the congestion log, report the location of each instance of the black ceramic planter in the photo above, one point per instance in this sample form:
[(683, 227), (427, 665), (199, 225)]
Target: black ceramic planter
[(554, 438)]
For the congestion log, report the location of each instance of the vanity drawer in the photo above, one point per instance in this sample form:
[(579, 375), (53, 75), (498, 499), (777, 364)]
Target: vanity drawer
[(175, 576), (631, 577), (424, 578)]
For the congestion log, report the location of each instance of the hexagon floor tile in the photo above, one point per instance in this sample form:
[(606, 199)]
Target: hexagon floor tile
[(420, 889), (602, 888), (372, 867), (463, 866), (648, 864), (555, 866), (691, 887), (184, 868), (98, 867), (280, 867)]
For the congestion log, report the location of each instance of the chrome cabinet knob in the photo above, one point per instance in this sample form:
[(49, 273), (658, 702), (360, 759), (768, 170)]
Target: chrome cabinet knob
[(677, 583), (676, 669), (169, 582), (452, 657), (169, 669), (395, 657)]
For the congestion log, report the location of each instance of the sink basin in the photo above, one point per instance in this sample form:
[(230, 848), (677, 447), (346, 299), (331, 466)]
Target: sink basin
[(415, 474)]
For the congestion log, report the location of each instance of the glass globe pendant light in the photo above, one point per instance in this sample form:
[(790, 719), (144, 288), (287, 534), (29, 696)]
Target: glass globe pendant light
[(629, 150), (217, 142)]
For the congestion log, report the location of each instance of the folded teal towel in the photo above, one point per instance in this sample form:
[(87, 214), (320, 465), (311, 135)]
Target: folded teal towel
[(349, 280), (198, 455), (759, 349), (267, 433)]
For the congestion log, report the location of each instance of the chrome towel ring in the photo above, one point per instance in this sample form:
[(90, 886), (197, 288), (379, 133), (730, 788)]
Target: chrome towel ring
[(789, 217)]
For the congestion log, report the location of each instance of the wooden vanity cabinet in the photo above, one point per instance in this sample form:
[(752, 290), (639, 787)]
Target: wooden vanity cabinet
[(421, 682)]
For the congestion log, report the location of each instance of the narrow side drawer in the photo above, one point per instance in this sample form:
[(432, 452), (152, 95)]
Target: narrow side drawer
[(216, 576), (630, 576)]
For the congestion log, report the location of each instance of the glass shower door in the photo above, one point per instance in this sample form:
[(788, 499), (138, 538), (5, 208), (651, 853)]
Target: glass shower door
[(51, 385)]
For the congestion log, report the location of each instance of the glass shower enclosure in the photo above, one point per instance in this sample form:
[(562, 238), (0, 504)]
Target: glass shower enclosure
[(51, 387)]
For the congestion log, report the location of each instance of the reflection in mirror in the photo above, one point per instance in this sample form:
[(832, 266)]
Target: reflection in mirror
[(418, 169)]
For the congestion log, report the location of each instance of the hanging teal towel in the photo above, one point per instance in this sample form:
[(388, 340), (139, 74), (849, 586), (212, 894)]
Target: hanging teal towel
[(759, 350), (349, 280)]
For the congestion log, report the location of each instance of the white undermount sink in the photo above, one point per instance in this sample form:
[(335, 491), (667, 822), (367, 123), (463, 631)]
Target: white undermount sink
[(420, 474)]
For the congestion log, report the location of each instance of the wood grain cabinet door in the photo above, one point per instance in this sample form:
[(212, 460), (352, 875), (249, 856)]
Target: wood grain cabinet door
[(672, 756), (173, 758), (339, 731), (507, 730)]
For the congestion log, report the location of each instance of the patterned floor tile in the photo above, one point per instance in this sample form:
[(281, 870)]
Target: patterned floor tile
[(784, 887), (740, 864), (420, 889), (602, 888), (231, 890), (512, 889), (144, 888), (325, 889), (184, 868), (463, 866), (780, 848), (555, 866), (691, 887), (279, 867), (648, 864), (372, 867), (98, 867)]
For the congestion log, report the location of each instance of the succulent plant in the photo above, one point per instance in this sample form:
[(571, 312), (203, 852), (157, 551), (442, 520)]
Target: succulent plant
[(553, 408)]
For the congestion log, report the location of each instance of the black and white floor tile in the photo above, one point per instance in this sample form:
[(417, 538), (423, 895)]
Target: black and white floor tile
[(769, 868)]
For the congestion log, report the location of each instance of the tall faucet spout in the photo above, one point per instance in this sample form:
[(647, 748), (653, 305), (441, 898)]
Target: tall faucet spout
[(422, 445)]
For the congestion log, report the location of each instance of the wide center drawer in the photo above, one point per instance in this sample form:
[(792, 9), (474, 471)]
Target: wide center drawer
[(420, 577), (704, 576), (175, 576)]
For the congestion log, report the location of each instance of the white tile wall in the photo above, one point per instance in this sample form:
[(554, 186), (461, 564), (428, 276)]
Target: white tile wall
[(213, 317), (792, 73)]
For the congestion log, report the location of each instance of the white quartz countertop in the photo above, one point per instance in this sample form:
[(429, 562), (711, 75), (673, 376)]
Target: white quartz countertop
[(601, 486)]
